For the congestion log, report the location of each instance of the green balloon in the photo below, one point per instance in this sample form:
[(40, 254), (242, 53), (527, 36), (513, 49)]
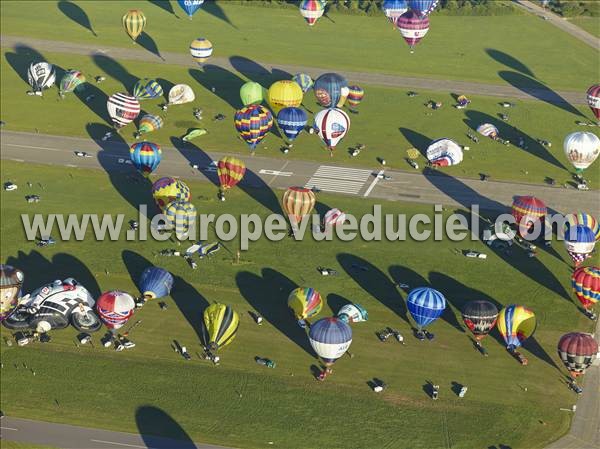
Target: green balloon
[(251, 93)]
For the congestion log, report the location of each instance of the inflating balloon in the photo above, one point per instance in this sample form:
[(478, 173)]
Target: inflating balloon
[(306, 303), (355, 96), (298, 202), (423, 7), (444, 152), (11, 281), (201, 49), (488, 130), (155, 283), (134, 22), (353, 313), (577, 351), (70, 81), (283, 94), (220, 327), (122, 109), (581, 149), (166, 190), (115, 308), (41, 75), (147, 89), (180, 94)]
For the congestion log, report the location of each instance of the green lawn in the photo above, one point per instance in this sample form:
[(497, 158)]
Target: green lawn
[(589, 24), (464, 48), (389, 121), (151, 389)]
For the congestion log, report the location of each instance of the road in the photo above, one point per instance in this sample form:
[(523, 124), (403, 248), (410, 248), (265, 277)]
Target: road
[(561, 23), (282, 173), (375, 79)]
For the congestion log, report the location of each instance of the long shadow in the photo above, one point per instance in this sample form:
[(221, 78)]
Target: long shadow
[(20, 59), (259, 191), (226, 84), (76, 14), (159, 430), (538, 90), (321, 208), (40, 270), (166, 85), (165, 5), (196, 156), (404, 275), (146, 41), (475, 118), (267, 294), (509, 61), (416, 140), (533, 346), (336, 302), (375, 282), (94, 99), (215, 10), (115, 70), (256, 72)]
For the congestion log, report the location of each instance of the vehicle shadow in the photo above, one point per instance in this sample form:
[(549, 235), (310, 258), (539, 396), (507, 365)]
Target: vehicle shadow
[(509, 61), (76, 14), (115, 70), (221, 82), (160, 431), (21, 58), (146, 42)]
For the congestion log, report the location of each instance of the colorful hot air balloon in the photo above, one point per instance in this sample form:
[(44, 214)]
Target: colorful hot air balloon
[(190, 6), (291, 121), (593, 99), (181, 216), (423, 7), (328, 89), (480, 317), (306, 303), (331, 125), (580, 242), (134, 22), (230, 171), (155, 283), (352, 313), (297, 203), (201, 49), (585, 219), (115, 308), (413, 28), (41, 75), (488, 130), (253, 123), (394, 9), (528, 211), (355, 96), (221, 324), (581, 149), (166, 190), (122, 109), (147, 89), (251, 93), (330, 338), (145, 156), (586, 285), (70, 81), (312, 10), (304, 81), (444, 152), (334, 217), (11, 281), (283, 94), (516, 324), (148, 124), (577, 351), (425, 305), (180, 94)]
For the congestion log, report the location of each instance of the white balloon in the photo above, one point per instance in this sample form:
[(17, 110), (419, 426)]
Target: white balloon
[(581, 149)]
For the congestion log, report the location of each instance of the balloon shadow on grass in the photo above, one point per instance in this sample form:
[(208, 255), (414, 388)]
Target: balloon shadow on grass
[(374, 282), (509, 61), (21, 58), (166, 85), (256, 72), (254, 186), (76, 14), (267, 294), (406, 276), (215, 10), (416, 140), (336, 302), (226, 84), (534, 346), (94, 99), (146, 42), (196, 156), (115, 70), (165, 5), (159, 430)]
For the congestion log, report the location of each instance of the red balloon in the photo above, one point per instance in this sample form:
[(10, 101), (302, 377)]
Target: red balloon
[(593, 99), (529, 209), (577, 351)]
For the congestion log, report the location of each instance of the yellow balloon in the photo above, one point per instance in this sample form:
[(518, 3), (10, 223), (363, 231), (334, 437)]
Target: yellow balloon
[(134, 22), (284, 94)]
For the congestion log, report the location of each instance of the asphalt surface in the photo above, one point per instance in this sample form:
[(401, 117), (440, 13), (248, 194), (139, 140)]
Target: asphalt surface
[(375, 79)]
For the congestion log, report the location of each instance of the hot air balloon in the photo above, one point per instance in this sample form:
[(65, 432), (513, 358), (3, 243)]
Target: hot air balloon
[(425, 305), (304, 81), (115, 308), (330, 338), (423, 7), (586, 285), (122, 109), (581, 149), (253, 123), (41, 75), (331, 125), (291, 121), (251, 93), (516, 324), (328, 89), (230, 171), (148, 124), (580, 242), (312, 10), (201, 49), (297, 203), (166, 190), (11, 281), (412, 27), (181, 216), (585, 219), (355, 96), (333, 217), (480, 317), (528, 211), (593, 99), (190, 6), (221, 324), (134, 22), (145, 156), (283, 94), (352, 313), (155, 283), (444, 152), (488, 130), (394, 9), (577, 351), (306, 303), (70, 81), (147, 89), (180, 94)]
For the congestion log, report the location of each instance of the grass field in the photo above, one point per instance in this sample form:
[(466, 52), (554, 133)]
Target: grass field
[(389, 121), (451, 50), (151, 389), (589, 24)]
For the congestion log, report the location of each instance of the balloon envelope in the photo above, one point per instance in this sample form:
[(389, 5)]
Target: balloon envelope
[(353, 313), (149, 123), (283, 94), (180, 94), (580, 242), (488, 130), (332, 125), (577, 351), (312, 10), (230, 171), (145, 156), (298, 202), (291, 121), (122, 109), (527, 212), (355, 96), (425, 305), (201, 49), (147, 89), (115, 308), (155, 283), (330, 338), (190, 6), (516, 324), (166, 190), (181, 216), (11, 281), (71, 80), (585, 219), (593, 99), (480, 317), (394, 9), (334, 217), (304, 81), (581, 149), (251, 93), (220, 327), (412, 27), (305, 302), (444, 152), (41, 75), (328, 89), (586, 285), (134, 22), (423, 7), (253, 123)]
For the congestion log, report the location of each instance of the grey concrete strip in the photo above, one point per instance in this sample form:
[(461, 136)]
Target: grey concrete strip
[(375, 79)]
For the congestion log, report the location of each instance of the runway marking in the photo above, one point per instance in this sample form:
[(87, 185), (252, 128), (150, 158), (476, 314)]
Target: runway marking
[(354, 174), (375, 181), (338, 179), (71, 165), (17, 160), (8, 428), (263, 171), (33, 148), (119, 444)]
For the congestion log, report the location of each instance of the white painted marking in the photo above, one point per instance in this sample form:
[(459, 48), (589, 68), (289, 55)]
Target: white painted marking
[(118, 444), (373, 183), (333, 185), (17, 160), (354, 174), (338, 179), (263, 171), (32, 147), (8, 428), (71, 165)]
